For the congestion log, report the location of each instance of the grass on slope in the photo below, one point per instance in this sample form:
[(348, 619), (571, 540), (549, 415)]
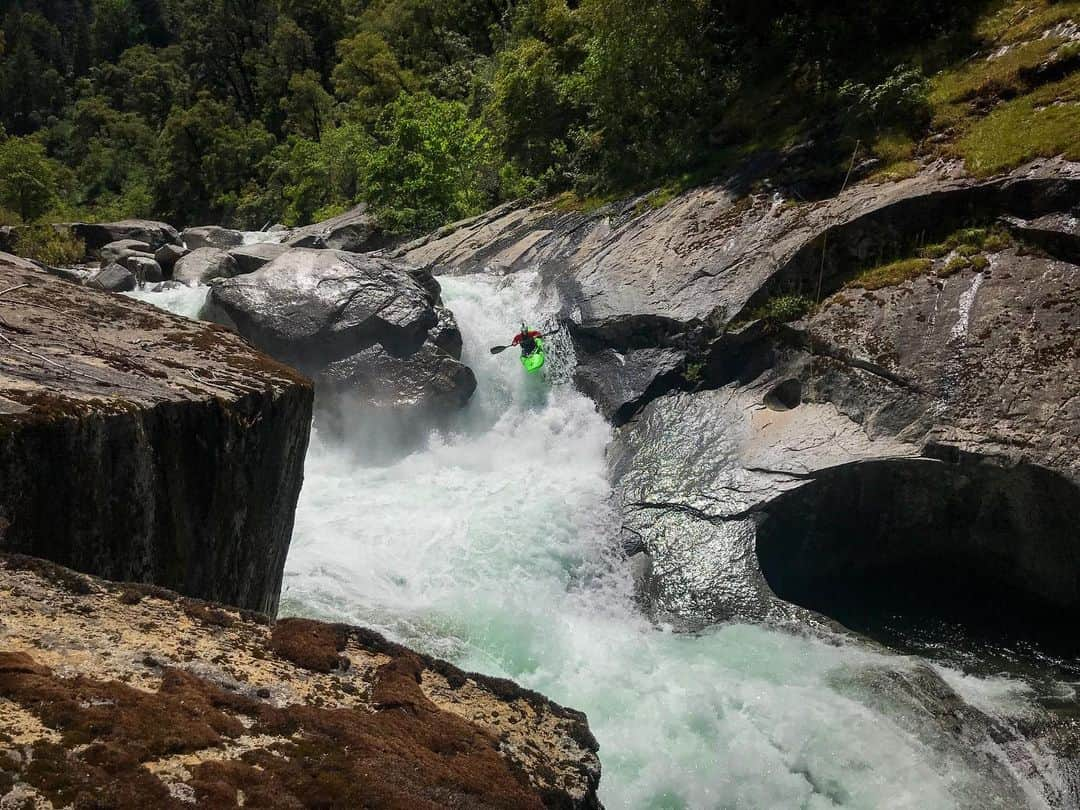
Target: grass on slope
[(1019, 98)]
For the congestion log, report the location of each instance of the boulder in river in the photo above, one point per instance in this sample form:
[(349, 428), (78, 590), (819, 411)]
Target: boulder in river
[(145, 268), (143, 446), (154, 234), (226, 710), (355, 231), (250, 258), (113, 278), (213, 236), (343, 316), (168, 255), (115, 251), (202, 265)]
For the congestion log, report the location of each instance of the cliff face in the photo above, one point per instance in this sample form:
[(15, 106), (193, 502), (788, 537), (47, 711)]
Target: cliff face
[(910, 441), (141, 446), (121, 695)]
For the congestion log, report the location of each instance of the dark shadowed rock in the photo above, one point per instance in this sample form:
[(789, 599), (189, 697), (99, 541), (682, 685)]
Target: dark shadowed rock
[(250, 258), (114, 278), (620, 383), (212, 236), (154, 234), (143, 446), (223, 709), (168, 255), (1058, 234), (146, 270), (203, 264), (354, 231), (446, 334)]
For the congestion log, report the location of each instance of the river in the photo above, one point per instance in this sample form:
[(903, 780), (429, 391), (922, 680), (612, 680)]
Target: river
[(493, 545)]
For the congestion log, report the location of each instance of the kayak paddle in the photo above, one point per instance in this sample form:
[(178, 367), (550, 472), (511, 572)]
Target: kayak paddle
[(501, 349)]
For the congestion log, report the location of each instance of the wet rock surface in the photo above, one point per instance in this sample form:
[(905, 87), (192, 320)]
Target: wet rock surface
[(910, 443), (131, 696), (142, 446), (361, 325)]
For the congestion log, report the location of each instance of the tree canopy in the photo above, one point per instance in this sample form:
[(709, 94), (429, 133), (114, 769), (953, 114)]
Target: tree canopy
[(249, 111)]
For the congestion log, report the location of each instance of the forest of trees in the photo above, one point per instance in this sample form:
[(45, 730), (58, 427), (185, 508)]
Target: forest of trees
[(246, 112)]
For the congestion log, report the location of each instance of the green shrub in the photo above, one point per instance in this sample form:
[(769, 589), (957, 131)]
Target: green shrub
[(889, 275), (936, 251), (954, 265), (48, 245), (783, 308)]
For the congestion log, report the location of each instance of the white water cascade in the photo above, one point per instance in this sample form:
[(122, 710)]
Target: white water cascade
[(494, 546)]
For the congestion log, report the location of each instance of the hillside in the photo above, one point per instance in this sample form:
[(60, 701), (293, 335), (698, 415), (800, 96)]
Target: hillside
[(247, 112)]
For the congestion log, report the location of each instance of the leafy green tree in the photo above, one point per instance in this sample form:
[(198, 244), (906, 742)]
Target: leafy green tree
[(116, 28), (432, 163), (205, 157), (367, 75), (30, 182), (308, 107)]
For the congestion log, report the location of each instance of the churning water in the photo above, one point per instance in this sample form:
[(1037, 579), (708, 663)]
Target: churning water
[(493, 545)]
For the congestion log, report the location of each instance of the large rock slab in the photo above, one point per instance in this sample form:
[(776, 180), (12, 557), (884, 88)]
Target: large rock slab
[(354, 322), (154, 234), (142, 446), (923, 450), (355, 231), (141, 698)]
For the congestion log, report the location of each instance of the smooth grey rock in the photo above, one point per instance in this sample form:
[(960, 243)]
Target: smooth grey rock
[(113, 278), (168, 255), (354, 231), (250, 258), (364, 327), (146, 270), (115, 251), (154, 234), (156, 449), (212, 236), (692, 471), (311, 307), (430, 379), (204, 264)]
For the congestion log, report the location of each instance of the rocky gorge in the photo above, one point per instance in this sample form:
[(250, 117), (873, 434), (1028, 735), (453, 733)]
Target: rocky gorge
[(823, 412)]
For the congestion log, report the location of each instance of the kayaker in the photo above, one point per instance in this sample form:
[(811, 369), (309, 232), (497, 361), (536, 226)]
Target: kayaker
[(526, 338)]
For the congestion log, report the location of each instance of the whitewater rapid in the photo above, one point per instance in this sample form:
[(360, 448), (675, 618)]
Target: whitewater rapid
[(494, 546)]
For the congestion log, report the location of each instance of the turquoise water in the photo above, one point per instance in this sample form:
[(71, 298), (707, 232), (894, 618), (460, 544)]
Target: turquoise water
[(492, 547)]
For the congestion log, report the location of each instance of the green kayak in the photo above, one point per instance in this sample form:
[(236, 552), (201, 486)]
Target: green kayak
[(534, 362)]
